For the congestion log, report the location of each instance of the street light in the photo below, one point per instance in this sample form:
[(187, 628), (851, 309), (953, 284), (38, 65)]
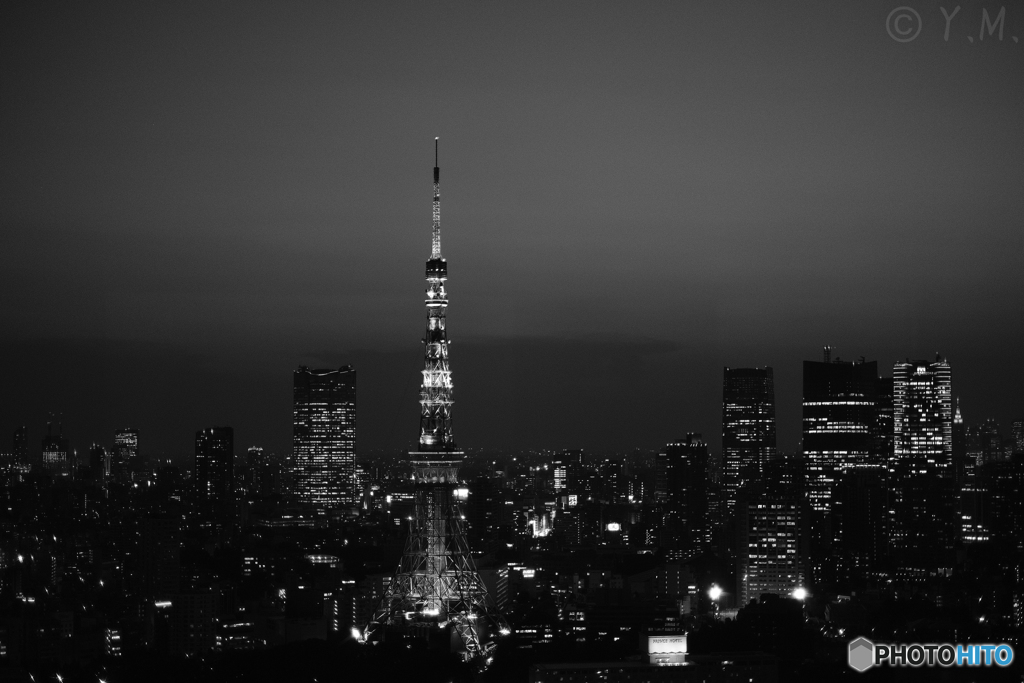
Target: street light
[(715, 592), (800, 594)]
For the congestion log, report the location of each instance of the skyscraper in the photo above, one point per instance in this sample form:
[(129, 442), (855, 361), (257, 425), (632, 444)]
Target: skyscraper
[(214, 474), (99, 464), (125, 457), (772, 533), (20, 451), (567, 467), (324, 437), (748, 427), (56, 452), (682, 476), (860, 525), (921, 472), (922, 418), (882, 433), (838, 421), (963, 467)]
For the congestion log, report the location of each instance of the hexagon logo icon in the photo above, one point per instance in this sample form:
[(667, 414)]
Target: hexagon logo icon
[(861, 654)]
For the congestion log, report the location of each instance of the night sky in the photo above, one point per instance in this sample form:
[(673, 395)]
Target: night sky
[(196, 198)]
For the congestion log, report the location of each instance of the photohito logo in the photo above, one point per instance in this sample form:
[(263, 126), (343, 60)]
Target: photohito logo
[(862, 654)]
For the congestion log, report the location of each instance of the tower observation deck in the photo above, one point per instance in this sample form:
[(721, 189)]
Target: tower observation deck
[(436, 584)]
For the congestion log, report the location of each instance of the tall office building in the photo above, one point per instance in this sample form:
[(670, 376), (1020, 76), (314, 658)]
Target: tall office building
[(748, 427), (56, 452), (772, 533), (324, 437), (20, 450), (990, 442), (682, 486), (214, 474), (99, 464), (922, 418), (125, 457), (838, 422), (963, 467), (921, 471), (860, 526), (567, 469), (1018, 436), (882, 434)]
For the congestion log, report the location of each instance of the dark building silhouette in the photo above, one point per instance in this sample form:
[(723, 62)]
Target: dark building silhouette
[(611, 482), (20, 448), (323, 470), (262, 475), (963, 467), (98, 466), (214, 474), (883, 433), (683, 491), (1003, 512), (159, 557), (748, 427), (860, 525), (990, 441)]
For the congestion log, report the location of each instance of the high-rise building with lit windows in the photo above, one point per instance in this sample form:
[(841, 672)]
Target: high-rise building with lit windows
[(125, 456), (922, 418), (921, 470), (56, 452), (748, 427), (567, 468), (772, 533), (323, 467), (214, 474), (839, 421)]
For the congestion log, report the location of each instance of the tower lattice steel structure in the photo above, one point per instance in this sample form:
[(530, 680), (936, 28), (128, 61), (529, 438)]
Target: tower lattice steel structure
[(436, 584)]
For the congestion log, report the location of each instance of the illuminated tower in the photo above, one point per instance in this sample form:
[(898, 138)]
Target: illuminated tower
[(436, 584)]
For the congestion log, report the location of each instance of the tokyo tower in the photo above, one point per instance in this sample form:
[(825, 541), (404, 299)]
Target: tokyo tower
[(436, 584)]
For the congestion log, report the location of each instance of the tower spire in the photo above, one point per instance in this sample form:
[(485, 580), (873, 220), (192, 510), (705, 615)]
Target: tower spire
[(436, 584), (435, 245)]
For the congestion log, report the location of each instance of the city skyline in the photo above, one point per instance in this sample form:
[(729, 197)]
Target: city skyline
[(193, 212), (733, 291)]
